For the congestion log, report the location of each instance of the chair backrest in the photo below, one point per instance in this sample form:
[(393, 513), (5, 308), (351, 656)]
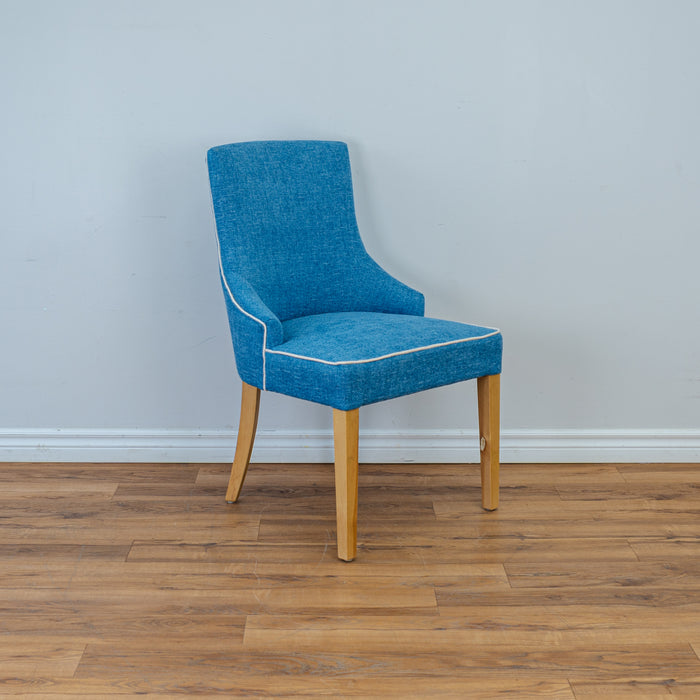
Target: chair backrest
[(286, 223)]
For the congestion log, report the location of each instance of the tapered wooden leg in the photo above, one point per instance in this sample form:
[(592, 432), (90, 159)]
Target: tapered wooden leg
[(346, 430), (250, 404), (489, 391)]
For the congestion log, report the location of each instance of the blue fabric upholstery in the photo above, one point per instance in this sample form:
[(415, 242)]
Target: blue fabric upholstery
[(311, 314), (351, 359)]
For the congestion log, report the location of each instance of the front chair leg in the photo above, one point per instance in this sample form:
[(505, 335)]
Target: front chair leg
[(489, 392), (250, 404), (346, 429)]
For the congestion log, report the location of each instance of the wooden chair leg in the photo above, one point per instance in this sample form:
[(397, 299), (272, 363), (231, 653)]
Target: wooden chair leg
[(250, 404), (346, 429), (489, 392)]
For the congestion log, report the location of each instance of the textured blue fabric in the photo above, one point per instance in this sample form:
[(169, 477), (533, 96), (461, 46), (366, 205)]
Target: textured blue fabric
[(348, 360), (286, 222), (310, 312)]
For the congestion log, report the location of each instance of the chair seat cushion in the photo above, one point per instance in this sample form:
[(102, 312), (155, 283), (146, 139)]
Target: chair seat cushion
[(347, 360)]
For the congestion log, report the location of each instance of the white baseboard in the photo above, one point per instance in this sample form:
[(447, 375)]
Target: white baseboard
[(445, 446)]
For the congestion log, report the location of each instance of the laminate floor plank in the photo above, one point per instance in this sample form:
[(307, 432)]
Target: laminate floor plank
[(342, 598), (40, 656), (643, 641), (20, 489), (661, 474), (87, 472), (684, 620), (61, 553), (459, 599), (314, 682), (97, 528), (658, 687), (188, 664), (659, 491), (669, 575), (101, 624), (666, 548), (484, 526)]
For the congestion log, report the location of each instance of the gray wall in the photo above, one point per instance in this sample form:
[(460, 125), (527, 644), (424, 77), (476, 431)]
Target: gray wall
[(528, 164)]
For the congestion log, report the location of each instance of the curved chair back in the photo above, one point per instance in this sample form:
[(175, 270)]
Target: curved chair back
[(286, 222)]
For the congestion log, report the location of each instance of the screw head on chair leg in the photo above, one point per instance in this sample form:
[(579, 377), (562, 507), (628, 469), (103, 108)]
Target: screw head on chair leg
[(489, 392)]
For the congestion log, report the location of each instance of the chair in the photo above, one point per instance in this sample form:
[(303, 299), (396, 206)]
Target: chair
[(313, 316)]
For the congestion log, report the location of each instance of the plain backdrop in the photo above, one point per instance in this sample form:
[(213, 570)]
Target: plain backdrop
[(528, 164)]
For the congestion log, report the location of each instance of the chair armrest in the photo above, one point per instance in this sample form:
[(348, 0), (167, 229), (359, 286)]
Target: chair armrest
[(240, 293)]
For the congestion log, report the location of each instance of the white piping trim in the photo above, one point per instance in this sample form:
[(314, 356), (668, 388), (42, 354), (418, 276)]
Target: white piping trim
[(225, 281), (242, 310), (383, 357)]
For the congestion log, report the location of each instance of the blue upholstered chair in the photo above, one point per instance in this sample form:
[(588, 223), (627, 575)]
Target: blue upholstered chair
[(312, 315)]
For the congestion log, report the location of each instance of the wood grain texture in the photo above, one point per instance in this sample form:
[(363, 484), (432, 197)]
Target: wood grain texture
[(125, 580), (346, 426), (489, 399), (247, 425)]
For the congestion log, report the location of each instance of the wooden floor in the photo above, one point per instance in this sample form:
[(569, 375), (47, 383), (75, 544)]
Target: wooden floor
[(140, 579)]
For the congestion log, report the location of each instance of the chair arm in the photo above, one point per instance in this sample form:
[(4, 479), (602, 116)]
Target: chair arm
[(241, 295)]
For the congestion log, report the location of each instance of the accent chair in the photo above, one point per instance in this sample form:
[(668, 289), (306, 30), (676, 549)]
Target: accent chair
[(313, 316)]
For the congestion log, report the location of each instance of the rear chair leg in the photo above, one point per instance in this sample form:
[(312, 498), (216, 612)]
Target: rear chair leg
[(250, 404), (489, 392), (346, 430)]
